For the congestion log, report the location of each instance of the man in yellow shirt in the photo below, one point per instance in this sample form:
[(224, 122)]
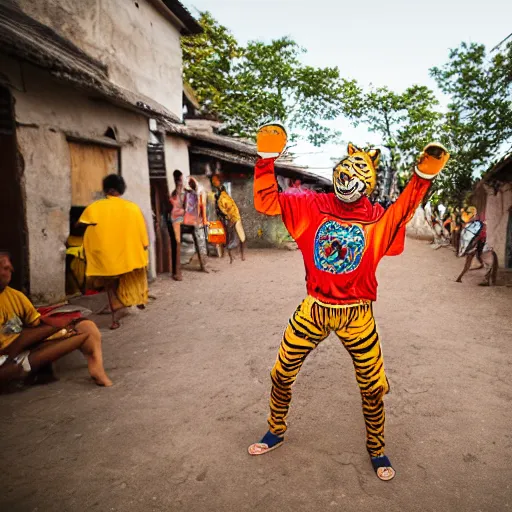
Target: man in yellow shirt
[(26, 344), (116, 243), (230, 216)]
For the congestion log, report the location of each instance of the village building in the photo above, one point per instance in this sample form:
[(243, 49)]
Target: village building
[(234, 160), (492, 198), (92, 88), (85, 89)]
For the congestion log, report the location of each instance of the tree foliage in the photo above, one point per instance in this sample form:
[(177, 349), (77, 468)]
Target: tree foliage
[(475, 126), (405, 121), (478, 122), (246, 86)]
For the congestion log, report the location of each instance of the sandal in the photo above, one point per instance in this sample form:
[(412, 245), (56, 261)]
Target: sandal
[(383, 468), (268, 443)]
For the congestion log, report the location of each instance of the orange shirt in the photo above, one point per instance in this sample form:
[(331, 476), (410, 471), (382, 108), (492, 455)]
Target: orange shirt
[(341, 243)]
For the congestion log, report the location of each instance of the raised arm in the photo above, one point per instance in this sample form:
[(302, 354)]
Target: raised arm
[(266, 191), (391, 227), (295, 209)]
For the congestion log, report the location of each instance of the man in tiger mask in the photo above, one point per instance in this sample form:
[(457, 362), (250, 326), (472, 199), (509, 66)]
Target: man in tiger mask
[(342, 237)]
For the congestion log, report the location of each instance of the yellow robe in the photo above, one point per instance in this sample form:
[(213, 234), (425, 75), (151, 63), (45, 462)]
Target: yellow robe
[(116, 240), (228, 207)]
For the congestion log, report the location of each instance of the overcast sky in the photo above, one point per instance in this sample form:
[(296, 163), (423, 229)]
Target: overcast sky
[(392, 42)]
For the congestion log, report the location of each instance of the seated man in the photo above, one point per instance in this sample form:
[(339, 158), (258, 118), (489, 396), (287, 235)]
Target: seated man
[(26, 344)]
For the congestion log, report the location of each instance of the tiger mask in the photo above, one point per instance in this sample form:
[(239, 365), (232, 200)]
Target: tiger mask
[(356, 174)]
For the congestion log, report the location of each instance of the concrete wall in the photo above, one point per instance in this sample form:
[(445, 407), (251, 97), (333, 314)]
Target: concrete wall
[(45, 112), (496, 216), (176, 157), (140, 47)]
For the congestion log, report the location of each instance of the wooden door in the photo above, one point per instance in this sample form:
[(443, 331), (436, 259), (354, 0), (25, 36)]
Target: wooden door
[(90, 163)]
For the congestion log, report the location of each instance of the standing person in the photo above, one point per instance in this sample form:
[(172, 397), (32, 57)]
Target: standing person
[(230, 215), (174, 222), (342, 237), (115, 244), (195, 216), (473, 243), (456, 223), (28, 345)]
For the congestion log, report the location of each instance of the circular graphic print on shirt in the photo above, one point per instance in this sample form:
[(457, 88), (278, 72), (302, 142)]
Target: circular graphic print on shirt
[(338, 248)]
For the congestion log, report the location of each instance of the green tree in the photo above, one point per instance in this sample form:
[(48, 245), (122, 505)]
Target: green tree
[(207, 63), (405, 122), (478, 121), (476, 126), (247, 86)]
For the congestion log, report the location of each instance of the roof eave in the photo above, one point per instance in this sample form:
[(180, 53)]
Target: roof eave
[(189, 26), (501, 171)]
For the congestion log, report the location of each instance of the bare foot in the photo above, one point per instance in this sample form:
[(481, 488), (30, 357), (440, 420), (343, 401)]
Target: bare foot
[(177, 277), (458, 280), (97, 372), (102, 381), (115, 325)]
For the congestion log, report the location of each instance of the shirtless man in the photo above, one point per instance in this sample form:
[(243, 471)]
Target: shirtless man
[(27, 344)]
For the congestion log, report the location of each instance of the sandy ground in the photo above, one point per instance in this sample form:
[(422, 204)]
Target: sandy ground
[(191, 380)]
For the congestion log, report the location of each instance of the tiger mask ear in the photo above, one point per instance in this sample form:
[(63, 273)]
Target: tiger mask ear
[(351, 149), (374, 155)]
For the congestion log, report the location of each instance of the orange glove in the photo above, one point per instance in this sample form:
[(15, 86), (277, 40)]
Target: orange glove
[(432, 160), (271, 140)]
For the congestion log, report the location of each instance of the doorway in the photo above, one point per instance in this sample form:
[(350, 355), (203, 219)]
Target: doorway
[(13, 230), (159, 200), (90, 163)]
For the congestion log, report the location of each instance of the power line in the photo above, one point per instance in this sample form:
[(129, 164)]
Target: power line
[(501, 42)]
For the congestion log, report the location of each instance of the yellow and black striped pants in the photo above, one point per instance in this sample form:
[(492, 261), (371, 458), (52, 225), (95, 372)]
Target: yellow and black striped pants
[(355, 326)]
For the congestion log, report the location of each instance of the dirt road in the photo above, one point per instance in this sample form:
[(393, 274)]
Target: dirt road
[(191, 378)]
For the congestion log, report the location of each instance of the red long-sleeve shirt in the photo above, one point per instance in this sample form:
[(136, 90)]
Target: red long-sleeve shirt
[(341, 243)]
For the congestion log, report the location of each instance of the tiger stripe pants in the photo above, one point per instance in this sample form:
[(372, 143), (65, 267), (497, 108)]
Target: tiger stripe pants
[(355, 325)]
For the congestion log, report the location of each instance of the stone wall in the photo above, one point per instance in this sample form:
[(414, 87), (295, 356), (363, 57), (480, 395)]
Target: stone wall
[(47, 113), (261, 230), (140, 47)]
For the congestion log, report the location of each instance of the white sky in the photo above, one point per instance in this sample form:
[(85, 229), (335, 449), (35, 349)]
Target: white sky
[(392, 42)]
